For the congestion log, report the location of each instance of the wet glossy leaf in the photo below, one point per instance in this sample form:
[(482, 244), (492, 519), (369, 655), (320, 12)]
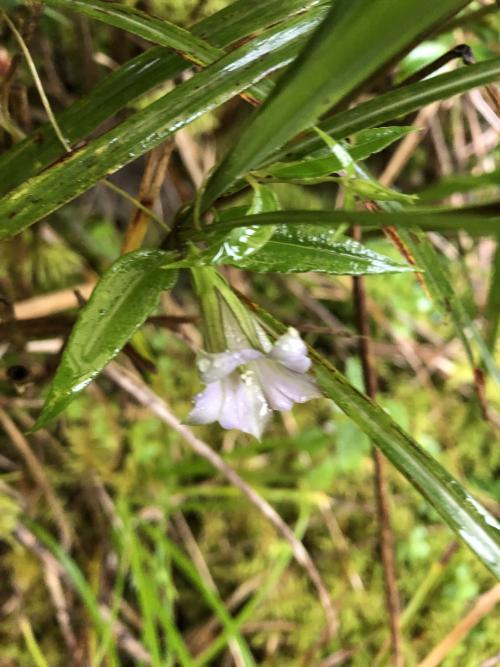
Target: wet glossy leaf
[(354, 41), (323, 163), (393, 104), (149, 127), (302, 248), (133, 79), (157, 31), (239, 243), (124, 297), (463, 513)]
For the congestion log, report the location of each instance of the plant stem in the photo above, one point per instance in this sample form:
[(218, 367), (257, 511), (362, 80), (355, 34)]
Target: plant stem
[(381, 487)]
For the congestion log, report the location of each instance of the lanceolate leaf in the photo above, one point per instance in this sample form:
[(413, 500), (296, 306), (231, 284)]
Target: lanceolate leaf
[(133, 79), (395, 103), (148, 27), (473, 224), (323, 163), (148, 128), (354, 41), (463, 513), (127, 293), (301, 248)]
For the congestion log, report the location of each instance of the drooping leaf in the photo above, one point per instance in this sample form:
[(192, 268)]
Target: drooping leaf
[(155, 30), (354, 41), (124, 297), (460, 511)]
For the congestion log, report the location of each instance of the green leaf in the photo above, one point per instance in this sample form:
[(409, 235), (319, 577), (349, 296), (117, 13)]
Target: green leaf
[(461, 512), (148, 27), (121, 301), (149, 127), (374, 140), (395, 103), (459, 183), (239, 243), (301, 248), (323, 163), (354, 41), (473, 224), (133, 79), (373, 190), (492, 309)]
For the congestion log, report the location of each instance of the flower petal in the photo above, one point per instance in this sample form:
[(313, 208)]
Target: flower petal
[(290, 350), (244, 405), (214, 366), (283, 387), (207, 405)]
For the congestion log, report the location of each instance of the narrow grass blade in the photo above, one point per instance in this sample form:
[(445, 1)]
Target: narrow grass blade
[(148, 128), (460, 511), (132, 80), (353, 42)]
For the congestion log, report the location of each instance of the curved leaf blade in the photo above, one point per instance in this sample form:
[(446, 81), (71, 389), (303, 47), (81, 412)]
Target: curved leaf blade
[(157, 31), (353, 42), (120, 303), (463, 513), (132, 80), (148, 128), (323, 163), (460, 511), (396, 103)]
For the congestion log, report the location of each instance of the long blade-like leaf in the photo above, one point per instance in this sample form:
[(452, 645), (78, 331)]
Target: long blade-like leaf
[(473, 224), (298, 249), (148, 27), (122, 300), (133, 79), (463, 513), (353, 42), (151, 126), (396, 103)]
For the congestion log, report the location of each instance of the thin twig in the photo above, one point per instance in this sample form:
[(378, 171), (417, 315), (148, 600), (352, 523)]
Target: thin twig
[(484, 605), (38, 474), (38, 83), (381, 487), (143, 395), (149, 189)]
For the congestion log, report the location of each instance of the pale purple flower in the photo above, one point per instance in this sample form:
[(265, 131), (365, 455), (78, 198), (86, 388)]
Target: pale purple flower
[(245, 385)]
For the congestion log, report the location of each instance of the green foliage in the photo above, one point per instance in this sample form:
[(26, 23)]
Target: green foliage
[(121, 545)]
